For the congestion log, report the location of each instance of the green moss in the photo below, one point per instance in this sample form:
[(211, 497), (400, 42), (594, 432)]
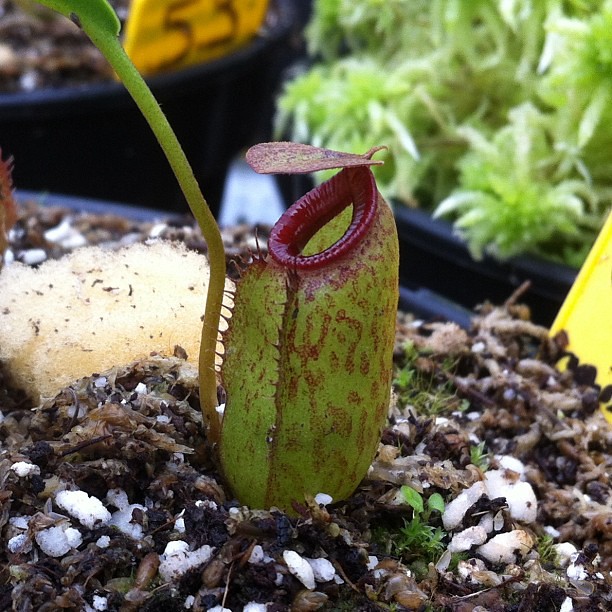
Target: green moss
[(430, 394), (546, 550), (435, 80)]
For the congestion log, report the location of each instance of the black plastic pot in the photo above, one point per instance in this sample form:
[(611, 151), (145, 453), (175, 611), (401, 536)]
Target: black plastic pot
[(430, 306), (92, 141), (432, 258), (93, 205)]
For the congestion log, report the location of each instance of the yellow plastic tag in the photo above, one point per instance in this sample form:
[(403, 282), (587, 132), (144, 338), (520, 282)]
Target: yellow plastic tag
[(163, 35), (586, 314)]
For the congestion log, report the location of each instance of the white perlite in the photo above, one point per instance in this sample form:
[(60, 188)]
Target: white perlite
[(564, 551), (257, 554), (122, 518), (323, 499), (519, 496), (19, 544), (99, 603), (464, 540), (66, 235), (521, 500), (89, 510), (576, 570), (31, 257), (322, 569), (503, 547), (23, 469), (177, 559), (456, 509), (300, 568), (58, 540)]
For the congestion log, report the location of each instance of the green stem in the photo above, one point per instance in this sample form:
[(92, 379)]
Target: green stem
[(112, 50)]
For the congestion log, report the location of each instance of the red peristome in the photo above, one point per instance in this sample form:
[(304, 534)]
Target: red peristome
[(311, 212)]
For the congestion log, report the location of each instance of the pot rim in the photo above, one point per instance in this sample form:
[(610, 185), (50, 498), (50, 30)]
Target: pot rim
[(95, 206)]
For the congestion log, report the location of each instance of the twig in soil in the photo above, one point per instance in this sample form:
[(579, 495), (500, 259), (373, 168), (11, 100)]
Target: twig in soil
[(167, 524), (345, 577), (468, 392), (518, 293), (227, 583), (491, 588), (85, 444)]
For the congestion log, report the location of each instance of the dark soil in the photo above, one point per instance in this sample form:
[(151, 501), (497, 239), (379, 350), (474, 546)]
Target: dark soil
[(469, 405), (41, 49)]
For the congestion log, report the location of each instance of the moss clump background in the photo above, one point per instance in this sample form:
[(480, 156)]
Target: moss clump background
[(497, 114)]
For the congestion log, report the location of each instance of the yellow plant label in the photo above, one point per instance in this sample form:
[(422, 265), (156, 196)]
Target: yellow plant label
[(162, 35), (586, 314)]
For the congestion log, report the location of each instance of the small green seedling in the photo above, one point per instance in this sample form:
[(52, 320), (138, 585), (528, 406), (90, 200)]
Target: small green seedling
[(479, 456), (435, 502), (416, 541), (417, 538), (413, 498), (308, 352)]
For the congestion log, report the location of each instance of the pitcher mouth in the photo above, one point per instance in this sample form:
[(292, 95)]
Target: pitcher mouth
[(318, 207)]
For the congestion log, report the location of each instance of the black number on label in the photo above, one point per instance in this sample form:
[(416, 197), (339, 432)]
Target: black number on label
[(173, 22), (226, 8)]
